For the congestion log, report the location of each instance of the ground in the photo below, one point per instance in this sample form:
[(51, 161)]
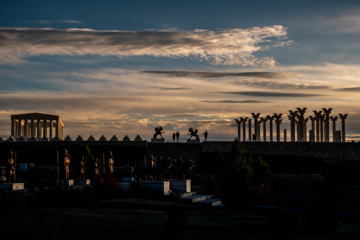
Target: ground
[(148, 219)]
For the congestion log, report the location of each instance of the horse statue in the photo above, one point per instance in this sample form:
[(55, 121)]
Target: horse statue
[(193, 133), (158, 131)]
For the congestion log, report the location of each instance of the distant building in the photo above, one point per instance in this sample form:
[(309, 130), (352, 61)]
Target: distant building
[(36, 125)]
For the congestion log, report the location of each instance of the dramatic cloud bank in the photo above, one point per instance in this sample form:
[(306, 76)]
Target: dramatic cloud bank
[(273, 94), (220, 47), (353, 89), (221, 74), (58, 21), (231, 101)]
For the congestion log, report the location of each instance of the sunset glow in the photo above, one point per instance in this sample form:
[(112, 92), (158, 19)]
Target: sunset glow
[(112, 68)]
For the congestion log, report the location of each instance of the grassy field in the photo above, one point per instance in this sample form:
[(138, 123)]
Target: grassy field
[(148, 219)]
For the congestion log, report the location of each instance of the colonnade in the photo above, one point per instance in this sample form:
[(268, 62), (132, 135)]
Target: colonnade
[(319, 132), (36, 126)]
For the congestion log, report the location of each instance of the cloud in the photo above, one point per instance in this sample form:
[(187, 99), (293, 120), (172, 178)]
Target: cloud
[(272, 94), (70, 21), (274, 83), (178, 88), (347, 22), (58, 21), (232, 101), (278, 85), (118, 101), (352, 89), (182, 115), (219, 47), (221, 74)]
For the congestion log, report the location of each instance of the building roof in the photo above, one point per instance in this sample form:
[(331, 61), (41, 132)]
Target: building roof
[(37, 116)]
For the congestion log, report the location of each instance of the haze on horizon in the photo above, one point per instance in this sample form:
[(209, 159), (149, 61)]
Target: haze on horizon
[(124, 68)]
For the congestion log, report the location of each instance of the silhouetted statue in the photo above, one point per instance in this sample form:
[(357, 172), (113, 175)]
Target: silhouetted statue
[(66, 159), (193, 133), (150, 169), (83, 167), (11, 168), (188, 166), (110, 163), (97, 169), (158, 131), (164, 165)]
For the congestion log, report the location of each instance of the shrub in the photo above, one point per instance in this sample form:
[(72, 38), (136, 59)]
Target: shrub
[(242, 179)]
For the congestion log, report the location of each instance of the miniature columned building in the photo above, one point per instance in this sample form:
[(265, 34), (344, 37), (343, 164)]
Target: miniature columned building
[(36, 125)]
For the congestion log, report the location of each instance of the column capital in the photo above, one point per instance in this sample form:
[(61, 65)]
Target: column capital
[(277, 116), (244, 119), (301, 111), (293, 114), (317, 113), (268, 117), (343, 116), (255, 115), (327, 111), (332, 118)]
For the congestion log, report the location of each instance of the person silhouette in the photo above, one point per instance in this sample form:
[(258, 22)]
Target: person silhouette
[(177, 136), (205, 135), (173, 137)]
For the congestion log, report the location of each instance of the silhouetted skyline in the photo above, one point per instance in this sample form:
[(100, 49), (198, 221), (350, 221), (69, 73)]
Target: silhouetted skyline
[(123, 68)]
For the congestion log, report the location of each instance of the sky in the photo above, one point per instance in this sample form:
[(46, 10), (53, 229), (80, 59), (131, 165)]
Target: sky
[(125, 67)]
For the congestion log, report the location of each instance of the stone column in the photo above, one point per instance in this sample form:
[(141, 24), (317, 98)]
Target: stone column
[(57, 128), (244, 120), (312, 119), (38, 129), (292, 117), (318, 115), (19, 128), (296, 130), (301, 112), (278, 121), (13, 128), (25, 128), (238, 128), (327, 123), (51, 128), (256, 116), (250, 137), (322, 128), (305, 129), (285, 137), (343, 117), (263, 120), (258, 132), (270, 118), (32, 128), (334, 119), (44, 129)]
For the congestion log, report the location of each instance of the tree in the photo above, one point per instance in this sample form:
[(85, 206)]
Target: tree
[(242, 179)]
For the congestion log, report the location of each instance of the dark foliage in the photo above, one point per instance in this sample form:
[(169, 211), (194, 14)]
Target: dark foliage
[(241, 178)]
